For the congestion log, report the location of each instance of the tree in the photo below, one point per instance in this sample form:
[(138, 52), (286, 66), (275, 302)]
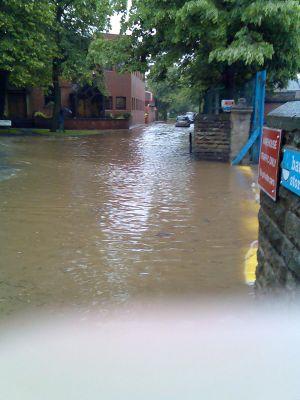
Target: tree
[(75, 24), (173, 94), (24, 45), (216, 42)]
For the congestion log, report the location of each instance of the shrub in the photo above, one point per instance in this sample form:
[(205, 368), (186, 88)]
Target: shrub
[(126, 115), (39, 114)]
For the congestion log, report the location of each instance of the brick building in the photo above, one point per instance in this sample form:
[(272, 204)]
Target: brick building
[(125, 95)]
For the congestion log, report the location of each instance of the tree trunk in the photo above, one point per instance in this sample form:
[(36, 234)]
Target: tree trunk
[(3, 89), (57, 96), (164, 114), (56, 72)]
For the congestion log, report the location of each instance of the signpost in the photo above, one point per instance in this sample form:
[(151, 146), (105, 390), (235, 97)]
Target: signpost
[(269, 162), (290, 178)]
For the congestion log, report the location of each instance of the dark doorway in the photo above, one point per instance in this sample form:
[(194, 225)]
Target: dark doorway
[(87, 102), (17, 105)]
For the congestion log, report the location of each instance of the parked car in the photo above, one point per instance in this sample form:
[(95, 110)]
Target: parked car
[(191, 116), (183, 121)]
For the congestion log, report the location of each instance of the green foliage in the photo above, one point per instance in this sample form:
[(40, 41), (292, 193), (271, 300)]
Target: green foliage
[(122, 116), (173, 94), (24, 45), (39, 114), (74, 25), (127, 115), (217, 42), (113, 51), (76, 22)]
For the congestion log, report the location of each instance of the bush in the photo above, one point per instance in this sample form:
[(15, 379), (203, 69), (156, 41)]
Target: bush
[(109, 116), (122, 116), (39, 114), (126, 115)]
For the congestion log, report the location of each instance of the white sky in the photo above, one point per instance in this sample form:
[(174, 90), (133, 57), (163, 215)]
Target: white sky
[(115, 24), (115, 20)]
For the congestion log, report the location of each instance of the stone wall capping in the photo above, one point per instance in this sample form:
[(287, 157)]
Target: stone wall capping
[(242, 110)]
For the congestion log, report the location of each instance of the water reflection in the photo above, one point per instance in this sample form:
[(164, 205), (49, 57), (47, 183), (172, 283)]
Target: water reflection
[(120, 217), (251, 263)]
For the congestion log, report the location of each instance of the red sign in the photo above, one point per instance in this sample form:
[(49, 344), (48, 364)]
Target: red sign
[(269, 161)]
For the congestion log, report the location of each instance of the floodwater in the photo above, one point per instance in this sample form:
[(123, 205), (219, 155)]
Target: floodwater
[(124, 217)]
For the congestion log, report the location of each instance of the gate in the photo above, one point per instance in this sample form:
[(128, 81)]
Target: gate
[(253, 144)]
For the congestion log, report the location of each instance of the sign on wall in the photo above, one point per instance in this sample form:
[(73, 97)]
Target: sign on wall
[(269, 161), (290, 178), (227, 105)]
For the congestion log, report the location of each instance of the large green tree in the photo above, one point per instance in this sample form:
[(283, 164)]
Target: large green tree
[(24, 44), (215, 42), (74, 25)]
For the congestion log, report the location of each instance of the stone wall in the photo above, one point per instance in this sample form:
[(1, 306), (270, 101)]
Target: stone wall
[(221, 137), (212, 137), (85, 123), (279, 228)]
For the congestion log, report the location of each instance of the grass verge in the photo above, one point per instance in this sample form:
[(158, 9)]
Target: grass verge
[(46, 132)]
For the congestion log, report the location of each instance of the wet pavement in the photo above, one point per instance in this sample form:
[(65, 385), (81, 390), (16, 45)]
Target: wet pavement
[(115, 219)]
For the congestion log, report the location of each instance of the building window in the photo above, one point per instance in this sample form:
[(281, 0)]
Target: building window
[(109, 103), (121, 103)]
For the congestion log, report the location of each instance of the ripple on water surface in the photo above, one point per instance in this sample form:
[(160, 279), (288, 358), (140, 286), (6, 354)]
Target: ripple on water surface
[(118, 217)]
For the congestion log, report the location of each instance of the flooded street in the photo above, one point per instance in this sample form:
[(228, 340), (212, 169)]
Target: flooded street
[(114, 219)]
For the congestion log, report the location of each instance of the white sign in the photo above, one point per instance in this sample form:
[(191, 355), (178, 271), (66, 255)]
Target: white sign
[(5, 122), (227, 105)]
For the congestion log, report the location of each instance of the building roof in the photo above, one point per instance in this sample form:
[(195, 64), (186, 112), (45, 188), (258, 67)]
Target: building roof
[(290, 109)]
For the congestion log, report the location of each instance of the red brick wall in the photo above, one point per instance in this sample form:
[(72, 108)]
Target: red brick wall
[(131, 86), (118, 85), (98, 124), (36, 101), (138, 93), (86, 124)]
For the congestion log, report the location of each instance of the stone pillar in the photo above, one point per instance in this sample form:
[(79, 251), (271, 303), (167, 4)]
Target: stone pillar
[(240, 130), (279, 222)]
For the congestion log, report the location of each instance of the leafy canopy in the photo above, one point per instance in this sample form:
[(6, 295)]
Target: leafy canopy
[(173, 94), (217, 42), (24, 45), (76, 23)]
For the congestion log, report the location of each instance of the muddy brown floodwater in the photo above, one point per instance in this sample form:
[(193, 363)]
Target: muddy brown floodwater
[(123, 217)]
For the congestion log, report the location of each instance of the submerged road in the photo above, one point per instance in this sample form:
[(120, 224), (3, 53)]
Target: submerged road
[(110, 220)]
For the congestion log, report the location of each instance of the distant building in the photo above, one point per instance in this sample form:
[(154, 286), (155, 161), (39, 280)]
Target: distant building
[(126, 95)]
